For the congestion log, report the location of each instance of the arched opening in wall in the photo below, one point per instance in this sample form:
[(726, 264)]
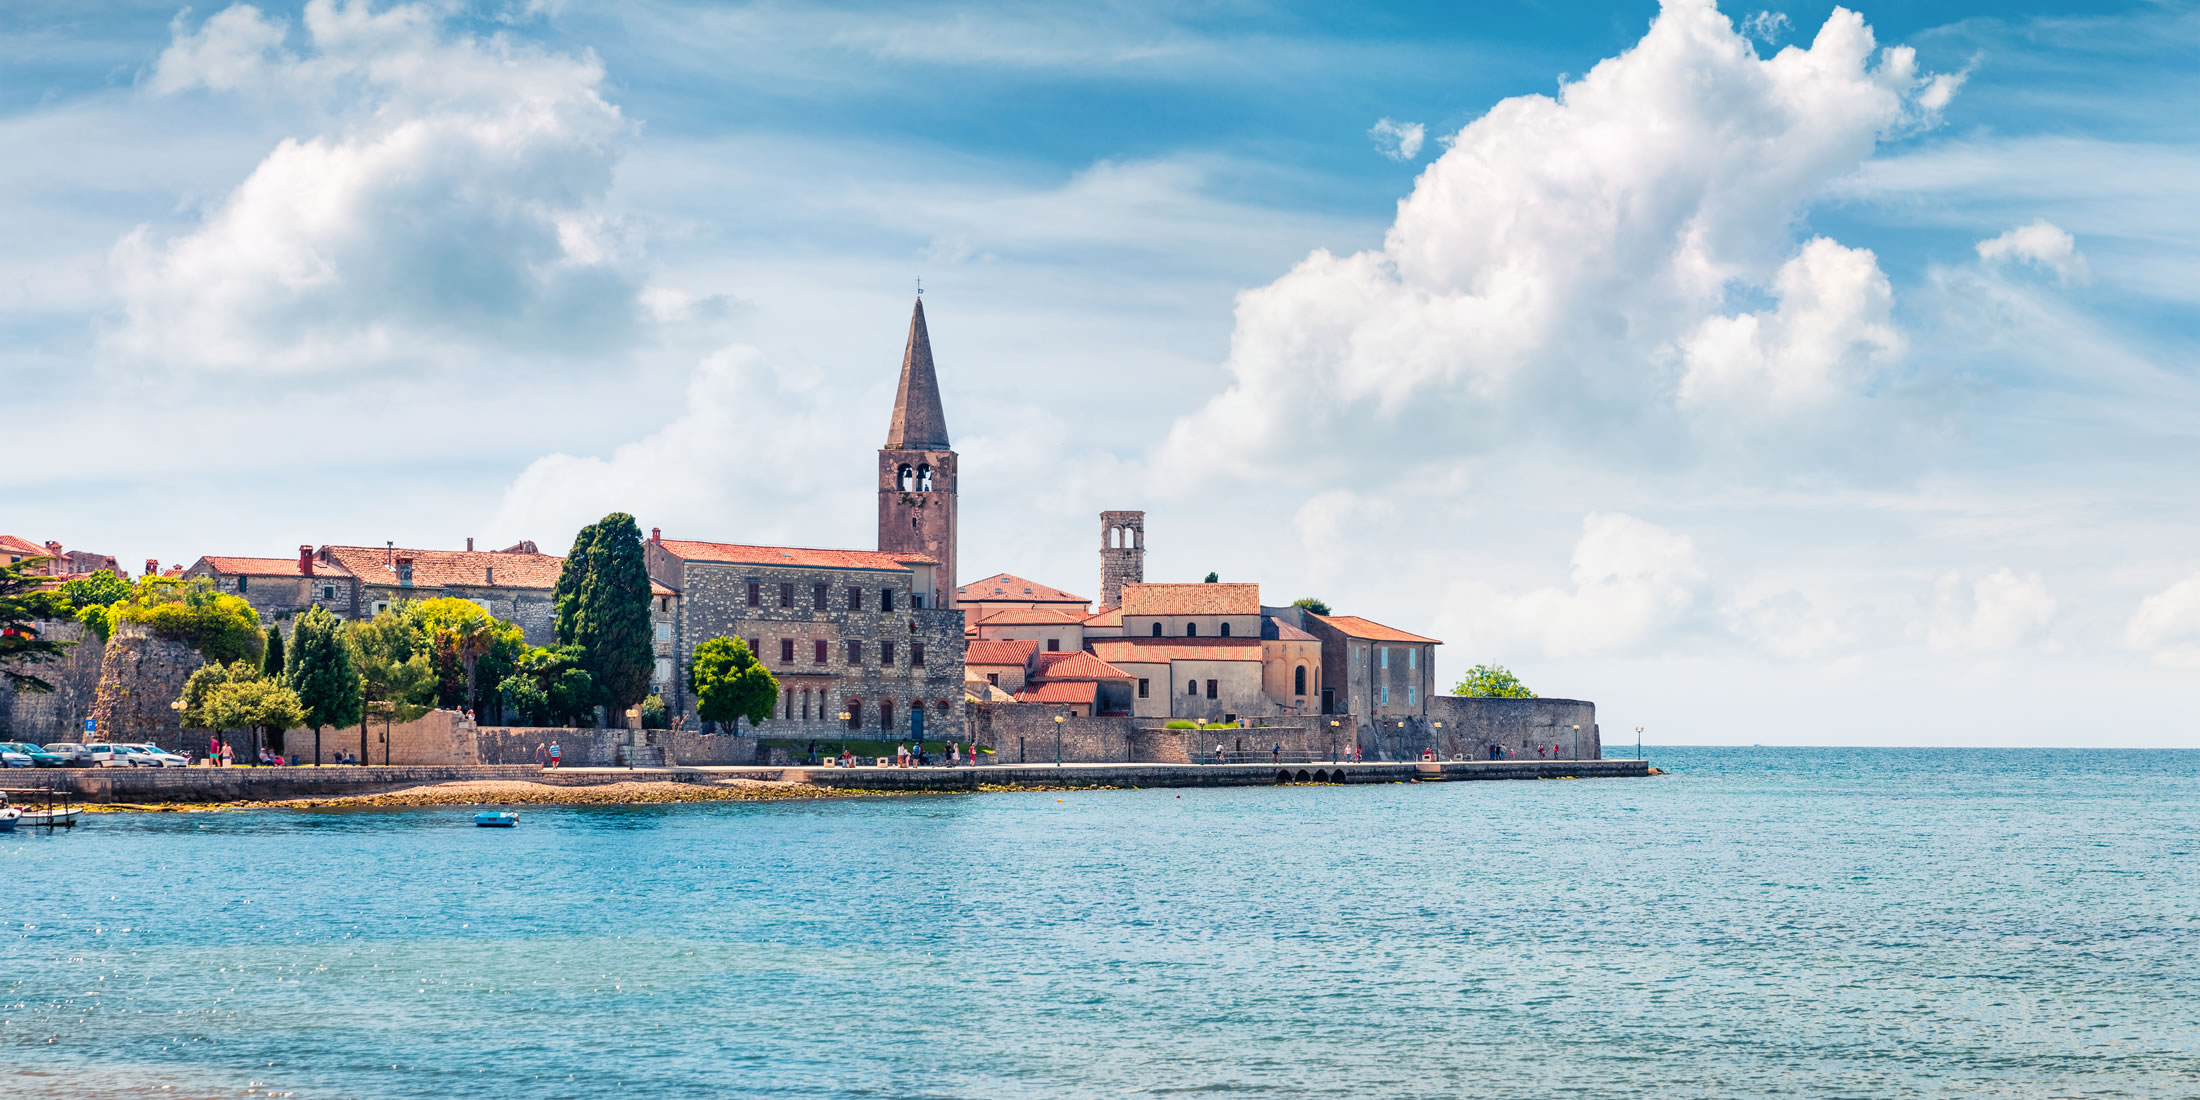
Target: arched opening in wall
[(905, 478), (1283, 777), (1111, 538), (1321, 776), (1226, 630), (886, 715), (1298, 681), (924, 477), (805, 704), (1157, 630), (854, 707), (1191, 630), (1303, 777)]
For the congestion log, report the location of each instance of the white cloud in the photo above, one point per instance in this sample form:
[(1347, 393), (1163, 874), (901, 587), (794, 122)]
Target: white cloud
[(2168, 623), (1398, 140), (1788, 623), (454, 205), (2041, 244), (2001, 611), (1766, 26), (1631, 580), (1832, 327), (1558, 254)]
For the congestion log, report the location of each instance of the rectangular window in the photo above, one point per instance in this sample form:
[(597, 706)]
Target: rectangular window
[(1054, 645), (1191, 687), (1412, 695), (818, 596), (885, 599), (756, 594), (916, 599), (786, 651), (786, 595), (1413, 657), (886, 653), (993, 678), (664, 632), (756, 648), (1210, 689), (243, 583), (855, 652), (1384, 654), (817, 654), (664, 671), (1141, 688), (1386, 695), (916, 654), (855, 599), (328, 592)]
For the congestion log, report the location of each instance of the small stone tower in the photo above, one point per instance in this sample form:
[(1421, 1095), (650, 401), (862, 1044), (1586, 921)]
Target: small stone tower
[(1122, 554), (916, 468)]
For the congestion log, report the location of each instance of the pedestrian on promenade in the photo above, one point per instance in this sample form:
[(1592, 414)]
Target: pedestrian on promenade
[(1279, 752), (813, 746), (213, 752), (229, 755), (554, 754), (542, 754)]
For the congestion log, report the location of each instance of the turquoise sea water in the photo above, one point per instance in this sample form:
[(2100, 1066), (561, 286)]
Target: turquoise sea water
[(1763, 922)]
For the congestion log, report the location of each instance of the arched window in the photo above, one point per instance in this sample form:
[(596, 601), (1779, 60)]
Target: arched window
[(924, 477), (805, 704), (906, 478), (886, 715), (854, 707), (1157, 630), (1191, 687), (1226, 630), (1298, 681), (1191, 630)]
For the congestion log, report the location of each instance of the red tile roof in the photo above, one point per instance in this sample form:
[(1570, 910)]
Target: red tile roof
[(1353, 626), (1077, 665), (444, 568), (1106, 616), (1030, 616), (1010, 588), (1276, 630), (9, 544), (1148, 651), (804, 557), (1073, 691), (269, 567), (1000, 652), (1191, 599)]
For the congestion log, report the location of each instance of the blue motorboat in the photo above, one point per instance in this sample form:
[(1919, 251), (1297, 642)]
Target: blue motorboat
[(496, 819)]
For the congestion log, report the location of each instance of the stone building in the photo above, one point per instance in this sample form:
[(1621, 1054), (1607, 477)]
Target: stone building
[(916, 469), (66, 564), (514, 584), (1056, 631), (278, 588), (1008, 592), (1122, 554)]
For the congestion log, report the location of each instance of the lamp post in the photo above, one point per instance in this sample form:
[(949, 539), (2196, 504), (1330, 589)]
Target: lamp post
[(1058, 720), (1577, 740), (1638, 742), (1333, 724), (844, 732)]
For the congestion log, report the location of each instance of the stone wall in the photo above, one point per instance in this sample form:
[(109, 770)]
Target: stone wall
[(691, 749), (46, 717), (1025, 733), (577, 748), (1527, 729), (140, 674)]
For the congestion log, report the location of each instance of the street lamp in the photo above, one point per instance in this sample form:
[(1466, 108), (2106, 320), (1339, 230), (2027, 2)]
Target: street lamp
[(1577, 740), (1638, 742), (1058, 720), (1333, 724), (844, 732)]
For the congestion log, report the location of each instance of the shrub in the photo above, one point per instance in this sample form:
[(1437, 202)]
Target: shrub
[(1181, 724)]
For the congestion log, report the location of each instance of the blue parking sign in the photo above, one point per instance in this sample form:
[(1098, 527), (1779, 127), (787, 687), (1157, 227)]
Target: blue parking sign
[(91, 725)]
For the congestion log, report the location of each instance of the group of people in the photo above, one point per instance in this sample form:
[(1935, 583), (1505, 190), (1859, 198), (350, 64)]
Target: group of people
[(548, 755)]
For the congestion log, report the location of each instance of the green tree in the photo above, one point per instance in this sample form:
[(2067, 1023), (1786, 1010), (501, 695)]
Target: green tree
[(1492, 682), (235, 696), (101, 589), (566, 597), (24, 603), (470, 650), (397, 683), (222, 627), (654, 716), (548, 686), (1316, 606), (271, 658), (1214, 578), (198, 689), (323, 673), (729, 684), (612, 626)]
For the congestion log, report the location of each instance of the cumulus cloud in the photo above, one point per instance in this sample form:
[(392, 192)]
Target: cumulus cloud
[(1398, 140), (1562, 257), (1788, 623), (2000, 611), (453, 205), (2041, 244), (1765, 26), (1630, 580), (2168, 624)]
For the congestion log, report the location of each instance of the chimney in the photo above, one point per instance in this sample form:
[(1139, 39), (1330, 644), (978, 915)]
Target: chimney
[(469, 544), (152, 567), (404, 572), (305, 560), (656, 534), (53, 549), (491, 579), (389, 553)]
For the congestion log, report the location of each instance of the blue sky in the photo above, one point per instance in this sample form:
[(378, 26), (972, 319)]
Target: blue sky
[(1765, 374)]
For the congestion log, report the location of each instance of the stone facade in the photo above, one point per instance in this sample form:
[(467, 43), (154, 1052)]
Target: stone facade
[(1122, 554), (917, 469), (1026, 733), (58, 715), (140, 675)]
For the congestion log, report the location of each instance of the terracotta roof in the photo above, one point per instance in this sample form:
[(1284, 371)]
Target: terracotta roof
[(1072, 691), (1191, 599), (983, 692), (1150, 651), (657, 589), (1031, 616), (9, 544), (1077, 665), (443, 568), (1010, 588), (1276, 630), (805, 557), (1000, 653), (1106, 616), (1353, 626), (270, 567)]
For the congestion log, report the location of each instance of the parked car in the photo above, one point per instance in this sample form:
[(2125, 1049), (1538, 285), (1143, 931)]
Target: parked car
[(9, 758), (71, 753), (39, 756), (152, 756)]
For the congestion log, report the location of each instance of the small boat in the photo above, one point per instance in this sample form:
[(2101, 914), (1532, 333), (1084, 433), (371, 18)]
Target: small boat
[(496, 819), (8, 814), (47, 818)]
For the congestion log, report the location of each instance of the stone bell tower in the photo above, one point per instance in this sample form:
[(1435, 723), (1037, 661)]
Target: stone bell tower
[(916, 468), (1122, 554)]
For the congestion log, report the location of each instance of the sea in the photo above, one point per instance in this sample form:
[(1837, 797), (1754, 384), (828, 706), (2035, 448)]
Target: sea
[(1760, 922)]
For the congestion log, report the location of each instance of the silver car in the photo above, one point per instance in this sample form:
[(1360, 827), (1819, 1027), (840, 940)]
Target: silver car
[(151, 756), (72, 754), (9, 758)]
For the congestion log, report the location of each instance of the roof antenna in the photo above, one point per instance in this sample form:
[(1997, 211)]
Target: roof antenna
[(920, 286)]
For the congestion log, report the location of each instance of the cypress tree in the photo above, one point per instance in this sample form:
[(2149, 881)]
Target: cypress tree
[(324, 674), (612, 623), (271, 661), (579, 559)]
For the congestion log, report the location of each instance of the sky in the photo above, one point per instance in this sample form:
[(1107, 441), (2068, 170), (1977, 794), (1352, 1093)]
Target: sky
[(1788, 375)]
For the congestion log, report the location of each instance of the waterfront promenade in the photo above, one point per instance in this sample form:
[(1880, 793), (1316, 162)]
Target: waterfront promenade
[(256, 784)]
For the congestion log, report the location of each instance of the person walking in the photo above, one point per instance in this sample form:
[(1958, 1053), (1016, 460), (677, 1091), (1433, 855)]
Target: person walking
[(554, 753), (1279, 752)]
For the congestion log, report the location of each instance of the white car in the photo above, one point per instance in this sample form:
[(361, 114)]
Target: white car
[(150, 756), (9, 758)]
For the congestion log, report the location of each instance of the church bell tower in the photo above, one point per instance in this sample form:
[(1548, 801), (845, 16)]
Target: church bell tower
[(916, 469)]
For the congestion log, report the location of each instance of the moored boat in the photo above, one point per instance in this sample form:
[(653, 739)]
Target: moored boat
[(8, 815), (496, 819), (52, 817)]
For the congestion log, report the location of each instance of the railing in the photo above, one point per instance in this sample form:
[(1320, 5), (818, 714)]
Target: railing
[(49, 812)]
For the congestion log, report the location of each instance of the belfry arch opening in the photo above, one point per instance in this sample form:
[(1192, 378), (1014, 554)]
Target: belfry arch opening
[(906, 477)]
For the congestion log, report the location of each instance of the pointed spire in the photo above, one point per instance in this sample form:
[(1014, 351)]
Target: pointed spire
[(919, 423)]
